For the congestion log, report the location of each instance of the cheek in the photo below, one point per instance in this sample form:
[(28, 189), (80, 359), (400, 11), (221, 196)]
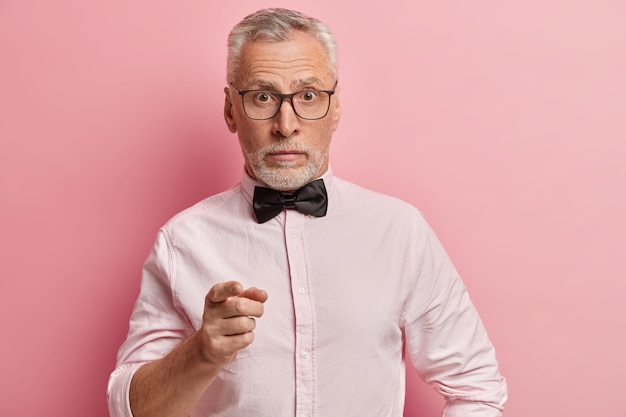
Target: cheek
[(250, 137), (244, 130), (247, 145), (326, 135)]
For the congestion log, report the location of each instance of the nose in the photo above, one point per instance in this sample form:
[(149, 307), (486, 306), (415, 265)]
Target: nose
[(286, 122)]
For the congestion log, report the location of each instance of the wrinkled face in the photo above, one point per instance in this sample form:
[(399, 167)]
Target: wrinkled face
[(285, 152)]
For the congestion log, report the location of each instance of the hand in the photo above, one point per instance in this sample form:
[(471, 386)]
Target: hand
[(229, 320)]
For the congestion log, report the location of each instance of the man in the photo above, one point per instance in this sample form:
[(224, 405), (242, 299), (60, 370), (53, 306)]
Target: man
[(349, 277)]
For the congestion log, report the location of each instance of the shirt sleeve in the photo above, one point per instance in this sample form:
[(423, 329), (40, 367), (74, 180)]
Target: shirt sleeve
[(157, 325), (446, 340)]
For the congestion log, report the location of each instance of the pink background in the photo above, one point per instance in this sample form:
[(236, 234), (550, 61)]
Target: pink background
[(504, 122)]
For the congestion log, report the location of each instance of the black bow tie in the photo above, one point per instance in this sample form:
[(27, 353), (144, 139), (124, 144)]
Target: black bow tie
[(310, 199)]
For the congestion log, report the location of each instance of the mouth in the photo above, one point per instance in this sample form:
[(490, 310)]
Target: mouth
[(287, 155)]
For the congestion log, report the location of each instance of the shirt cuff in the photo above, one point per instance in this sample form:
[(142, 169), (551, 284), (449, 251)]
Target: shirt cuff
[(486, 404), (119, 388)]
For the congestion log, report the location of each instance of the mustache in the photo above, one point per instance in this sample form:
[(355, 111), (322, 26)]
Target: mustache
[(288, 144)]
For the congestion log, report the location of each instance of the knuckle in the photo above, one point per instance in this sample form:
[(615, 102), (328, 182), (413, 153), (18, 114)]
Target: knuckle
[(239, 304), (244, 324), (214, 347), (246, 338)]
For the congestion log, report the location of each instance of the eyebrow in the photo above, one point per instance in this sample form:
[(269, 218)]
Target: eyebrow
[(308, 81), (265, 85)]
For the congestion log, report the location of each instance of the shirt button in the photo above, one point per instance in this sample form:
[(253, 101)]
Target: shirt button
[(301, 290), (294, 234), (305, 354)]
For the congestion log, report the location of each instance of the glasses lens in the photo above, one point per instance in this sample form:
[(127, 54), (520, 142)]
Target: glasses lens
[(309, 104), (261, 104)]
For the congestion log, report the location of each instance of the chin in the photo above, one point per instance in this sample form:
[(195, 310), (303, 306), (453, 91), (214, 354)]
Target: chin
[(286, 178)]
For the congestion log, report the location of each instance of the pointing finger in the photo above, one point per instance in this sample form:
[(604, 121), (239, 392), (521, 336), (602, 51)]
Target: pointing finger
[(220, 292), (255, 294)]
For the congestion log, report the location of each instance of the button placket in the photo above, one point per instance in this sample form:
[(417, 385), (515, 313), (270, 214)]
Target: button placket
[(303, 311)]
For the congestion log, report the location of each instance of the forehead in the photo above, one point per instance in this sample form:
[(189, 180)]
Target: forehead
[(299, 61)]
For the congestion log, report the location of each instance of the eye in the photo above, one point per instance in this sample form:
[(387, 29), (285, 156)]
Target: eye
[(264, 97), (308, 95)]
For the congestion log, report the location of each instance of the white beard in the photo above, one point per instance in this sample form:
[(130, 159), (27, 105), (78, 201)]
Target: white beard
[(286, 177)]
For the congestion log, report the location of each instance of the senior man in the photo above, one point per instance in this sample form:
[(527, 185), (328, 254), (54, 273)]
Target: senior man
[(295, 293)]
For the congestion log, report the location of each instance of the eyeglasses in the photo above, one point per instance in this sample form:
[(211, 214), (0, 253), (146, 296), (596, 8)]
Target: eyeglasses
[(265, 104)]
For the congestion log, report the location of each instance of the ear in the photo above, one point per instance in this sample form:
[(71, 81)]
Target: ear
[(337, 110), (229, 117)]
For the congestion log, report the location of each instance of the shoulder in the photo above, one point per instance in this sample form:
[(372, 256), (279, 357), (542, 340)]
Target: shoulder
[(351, 194), (211, 209), (358, 206)]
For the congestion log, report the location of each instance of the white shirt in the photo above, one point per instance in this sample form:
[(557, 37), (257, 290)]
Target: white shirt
[(346, 292)]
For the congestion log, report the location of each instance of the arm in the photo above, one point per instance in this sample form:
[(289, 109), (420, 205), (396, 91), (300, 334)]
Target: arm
[(172, 386), (447, 341)]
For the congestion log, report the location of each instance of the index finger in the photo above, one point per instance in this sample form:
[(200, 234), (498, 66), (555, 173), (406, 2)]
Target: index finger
[(255, 294), (221, 291)]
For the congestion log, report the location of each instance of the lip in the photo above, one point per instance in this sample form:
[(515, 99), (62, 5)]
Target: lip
[(286, 155)]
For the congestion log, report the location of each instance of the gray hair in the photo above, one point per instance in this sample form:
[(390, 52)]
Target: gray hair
[(276, 24)]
